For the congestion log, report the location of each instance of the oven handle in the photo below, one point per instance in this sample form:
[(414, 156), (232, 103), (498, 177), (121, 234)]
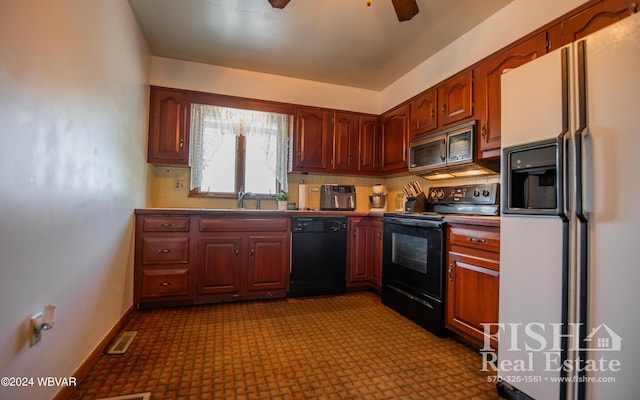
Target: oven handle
[(421, 223)]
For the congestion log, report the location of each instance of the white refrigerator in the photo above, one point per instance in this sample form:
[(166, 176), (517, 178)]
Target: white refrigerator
[(570, 228)]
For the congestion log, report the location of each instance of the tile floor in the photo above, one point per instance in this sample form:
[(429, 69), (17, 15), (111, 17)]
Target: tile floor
[(341, 347)]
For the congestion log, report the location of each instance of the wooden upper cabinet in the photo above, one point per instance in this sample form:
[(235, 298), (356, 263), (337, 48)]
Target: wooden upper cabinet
[(394, 137), (168, 136), (424, 117), (488, 86), (312, 140), (455, 98), (589, 20), (368, 148), (345, 137)]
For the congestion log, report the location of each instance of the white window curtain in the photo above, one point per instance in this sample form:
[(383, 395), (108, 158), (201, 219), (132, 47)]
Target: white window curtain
[(270, 129)]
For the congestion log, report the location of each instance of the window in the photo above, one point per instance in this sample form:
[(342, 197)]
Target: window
[(234, 149)]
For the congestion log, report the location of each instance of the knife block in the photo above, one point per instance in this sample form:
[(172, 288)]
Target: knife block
[(415, 204)]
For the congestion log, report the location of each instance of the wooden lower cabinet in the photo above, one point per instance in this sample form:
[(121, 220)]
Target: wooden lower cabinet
[(243, 258), (472, 281), (164, 259), (219, 265), (189, 259), (165, 283), (240, 265), (364, 249)]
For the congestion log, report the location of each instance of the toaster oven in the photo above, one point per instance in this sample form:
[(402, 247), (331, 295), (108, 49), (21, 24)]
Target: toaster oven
[(338, 197)]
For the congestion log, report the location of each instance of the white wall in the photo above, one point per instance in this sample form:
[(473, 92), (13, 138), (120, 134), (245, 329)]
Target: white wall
[(512, 22), (235, 82), (73, 118)]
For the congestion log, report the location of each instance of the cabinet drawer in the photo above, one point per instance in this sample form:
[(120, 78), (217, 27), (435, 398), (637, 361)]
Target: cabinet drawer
[(165, 282), (165, 224), (244, 224), (479, 237), (165, 250)]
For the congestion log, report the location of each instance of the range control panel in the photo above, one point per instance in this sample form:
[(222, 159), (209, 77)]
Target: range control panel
[(467, 194)]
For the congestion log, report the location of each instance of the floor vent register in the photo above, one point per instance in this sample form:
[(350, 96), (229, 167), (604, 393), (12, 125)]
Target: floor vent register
[(120, 346), (136, 396)]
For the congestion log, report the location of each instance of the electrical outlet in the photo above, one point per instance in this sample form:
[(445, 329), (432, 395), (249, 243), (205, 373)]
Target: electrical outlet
[(36, 334), (178, 184)]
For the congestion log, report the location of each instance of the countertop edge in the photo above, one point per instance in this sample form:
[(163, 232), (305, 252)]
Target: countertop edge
[(473, 220), (251, 213)]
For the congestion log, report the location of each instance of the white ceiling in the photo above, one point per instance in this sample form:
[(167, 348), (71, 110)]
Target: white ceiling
[(335, 41)]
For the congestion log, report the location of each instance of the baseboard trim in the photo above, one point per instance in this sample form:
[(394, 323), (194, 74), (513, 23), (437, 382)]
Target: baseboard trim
[(66, 391)]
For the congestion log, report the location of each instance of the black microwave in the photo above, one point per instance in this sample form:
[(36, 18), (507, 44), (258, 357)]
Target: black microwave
[(448, 148)]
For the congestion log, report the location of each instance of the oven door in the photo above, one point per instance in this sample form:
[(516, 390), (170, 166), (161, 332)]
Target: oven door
[(413, 251)]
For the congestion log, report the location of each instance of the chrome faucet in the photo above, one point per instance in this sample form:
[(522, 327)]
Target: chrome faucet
[(241, 196)]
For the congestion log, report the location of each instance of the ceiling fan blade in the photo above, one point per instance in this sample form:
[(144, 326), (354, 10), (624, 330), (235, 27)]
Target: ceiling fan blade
[(278, 3), (405, 9)]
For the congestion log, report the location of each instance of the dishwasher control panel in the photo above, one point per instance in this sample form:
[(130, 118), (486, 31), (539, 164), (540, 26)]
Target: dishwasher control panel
[(319, 224)]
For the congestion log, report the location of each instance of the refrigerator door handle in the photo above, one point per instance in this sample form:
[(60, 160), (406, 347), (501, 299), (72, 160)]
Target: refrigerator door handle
[(583, 222), (581, 130), (564, 142)]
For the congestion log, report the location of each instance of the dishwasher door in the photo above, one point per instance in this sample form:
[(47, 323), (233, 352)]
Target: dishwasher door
[(318, 256)]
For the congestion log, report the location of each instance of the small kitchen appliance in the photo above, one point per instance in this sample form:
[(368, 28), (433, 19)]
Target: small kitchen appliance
[(337, 197), (378, 200), (449, 153)]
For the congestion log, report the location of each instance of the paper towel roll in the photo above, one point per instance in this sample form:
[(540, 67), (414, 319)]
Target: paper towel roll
[(302, 196)]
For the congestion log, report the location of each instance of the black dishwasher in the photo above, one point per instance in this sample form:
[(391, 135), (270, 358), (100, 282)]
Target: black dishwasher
[(318, 256)]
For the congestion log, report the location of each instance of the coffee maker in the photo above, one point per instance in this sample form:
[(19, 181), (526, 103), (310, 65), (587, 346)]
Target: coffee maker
[(378, 200)]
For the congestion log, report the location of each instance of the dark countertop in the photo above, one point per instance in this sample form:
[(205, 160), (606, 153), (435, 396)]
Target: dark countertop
[(246, 212), (251, 213)]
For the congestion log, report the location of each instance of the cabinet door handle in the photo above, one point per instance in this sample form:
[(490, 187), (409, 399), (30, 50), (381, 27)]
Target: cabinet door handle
[(450, 272), (165, 251), (476, 240), (166, 225), (433, 112), (444, 108), (484, 129), (181, 143), (252, 250), (166, 283), (237, 252)]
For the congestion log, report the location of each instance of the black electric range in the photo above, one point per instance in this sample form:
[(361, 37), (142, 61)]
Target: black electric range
[(413, 250)]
